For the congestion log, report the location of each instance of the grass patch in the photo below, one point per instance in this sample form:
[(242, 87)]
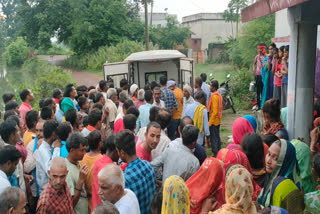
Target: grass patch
[(218, 71)]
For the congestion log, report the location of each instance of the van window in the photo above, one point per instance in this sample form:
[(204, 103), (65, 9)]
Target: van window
[(117, 78), (154, 76), (186, 78)]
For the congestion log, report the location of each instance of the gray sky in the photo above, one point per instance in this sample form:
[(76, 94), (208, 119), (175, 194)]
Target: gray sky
[(188, 7)]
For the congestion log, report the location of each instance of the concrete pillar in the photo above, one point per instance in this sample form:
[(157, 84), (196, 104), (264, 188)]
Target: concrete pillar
[(302, 57)]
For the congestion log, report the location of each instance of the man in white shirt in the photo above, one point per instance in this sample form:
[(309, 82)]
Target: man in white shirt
[(9, 158), (111, 110), (111, 183), (156, 98), (48, 150)]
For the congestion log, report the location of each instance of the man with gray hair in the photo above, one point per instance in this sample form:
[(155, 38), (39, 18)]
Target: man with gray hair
[(13, 200), (111, 183), (111, 110), (105, 208)]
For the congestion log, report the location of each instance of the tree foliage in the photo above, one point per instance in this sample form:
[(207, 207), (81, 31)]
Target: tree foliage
[(169, 36), (242, 50), (16, 52), (85, 25), (232, 14)]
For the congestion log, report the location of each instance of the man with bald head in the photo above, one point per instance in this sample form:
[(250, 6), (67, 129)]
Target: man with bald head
[(111, 183), (56, 197)]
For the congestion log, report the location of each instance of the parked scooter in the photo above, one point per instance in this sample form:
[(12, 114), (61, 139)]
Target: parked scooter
[(224, 92)]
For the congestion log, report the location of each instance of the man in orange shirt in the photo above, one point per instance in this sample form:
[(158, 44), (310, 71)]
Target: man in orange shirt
[(89, 159), (177, 113), (215, 108)]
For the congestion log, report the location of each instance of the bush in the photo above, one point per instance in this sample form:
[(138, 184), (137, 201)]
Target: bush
[(16, 52), (45, 77), (94, 61), (239, 88), (54, 50)]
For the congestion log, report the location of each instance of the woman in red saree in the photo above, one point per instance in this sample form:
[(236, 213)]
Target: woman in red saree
[(236, 156), (204, 183)]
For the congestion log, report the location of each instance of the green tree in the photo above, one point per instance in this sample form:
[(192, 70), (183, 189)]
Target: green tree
[(16, 52), (8, 7), (242, 50), (169, 36), (232, 14)]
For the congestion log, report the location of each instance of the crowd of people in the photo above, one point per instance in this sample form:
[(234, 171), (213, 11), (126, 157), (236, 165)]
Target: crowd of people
[(131, 150), (271, 73)]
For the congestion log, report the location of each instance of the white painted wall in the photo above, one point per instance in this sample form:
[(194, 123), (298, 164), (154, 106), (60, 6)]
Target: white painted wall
[(282, 28), (209, 27)]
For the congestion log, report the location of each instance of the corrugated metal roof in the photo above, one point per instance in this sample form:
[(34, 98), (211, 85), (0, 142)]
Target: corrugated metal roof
[(157, 55)]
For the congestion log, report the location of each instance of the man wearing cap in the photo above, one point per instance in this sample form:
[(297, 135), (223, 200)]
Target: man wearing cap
[(177, 113), (134, 92), (167, 95)]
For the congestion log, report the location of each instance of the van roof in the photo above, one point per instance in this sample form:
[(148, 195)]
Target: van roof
[(157, 55)]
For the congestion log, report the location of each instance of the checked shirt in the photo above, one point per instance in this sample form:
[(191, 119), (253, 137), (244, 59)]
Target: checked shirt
[(54, 202), (140, 178)]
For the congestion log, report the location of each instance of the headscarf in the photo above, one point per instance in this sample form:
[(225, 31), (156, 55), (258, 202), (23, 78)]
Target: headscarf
[(252, 120), (287, 166), (222, 154), (236, 156), (238, 193), (303, 155), (240, 128), (204, 182), (170, 83), (175, 196), (285, 194)]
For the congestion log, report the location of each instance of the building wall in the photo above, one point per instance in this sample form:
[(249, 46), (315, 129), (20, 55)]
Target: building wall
[(210, 27), (158, 19), (282, 29)]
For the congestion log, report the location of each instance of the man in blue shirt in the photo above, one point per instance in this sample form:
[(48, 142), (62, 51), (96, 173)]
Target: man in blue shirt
[(139, 174), (195, 108), (167, 95), (144, 110)]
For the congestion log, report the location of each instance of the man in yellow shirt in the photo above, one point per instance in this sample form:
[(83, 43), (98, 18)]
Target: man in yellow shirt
[(32, 118), (215, 107), (177, 113)]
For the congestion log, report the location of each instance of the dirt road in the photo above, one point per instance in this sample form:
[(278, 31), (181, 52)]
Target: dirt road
[(86, 78)]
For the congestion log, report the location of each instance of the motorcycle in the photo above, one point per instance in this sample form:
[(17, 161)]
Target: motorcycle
[(224, 92)]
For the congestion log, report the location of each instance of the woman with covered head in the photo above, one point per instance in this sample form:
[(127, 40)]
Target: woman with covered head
[(238, 194), (280, 161), (204, 183), (236, 156), (134, 88), (175, 196), (240, 128)]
